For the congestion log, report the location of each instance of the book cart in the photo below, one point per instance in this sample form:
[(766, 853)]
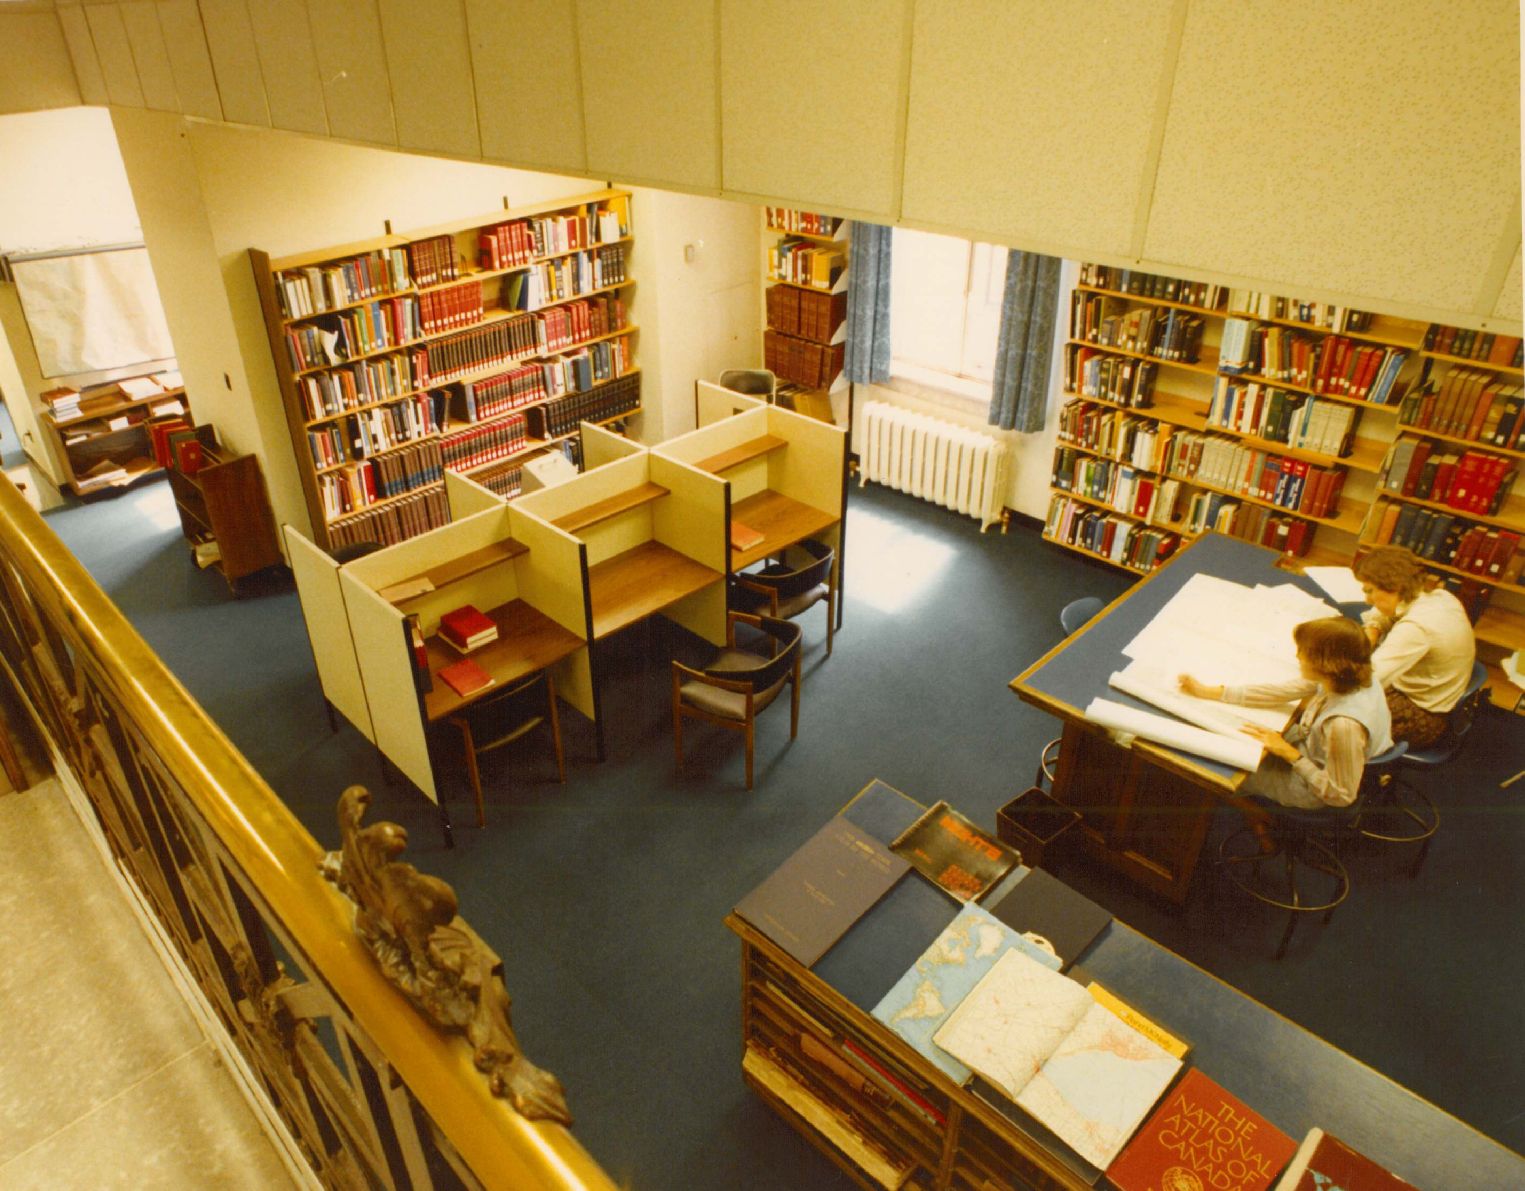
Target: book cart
[(468, 347), (105, 447), (1292, 424), (225, 511), (883, 1113), (805, 307)]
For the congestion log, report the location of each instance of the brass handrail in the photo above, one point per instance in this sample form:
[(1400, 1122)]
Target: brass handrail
[(281, 860)]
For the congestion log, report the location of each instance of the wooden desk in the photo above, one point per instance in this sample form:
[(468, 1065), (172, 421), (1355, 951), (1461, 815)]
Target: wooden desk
[(781, 520), (528, 640), (755, 448), (1145, 809), (641, 581), (1292, 1078)]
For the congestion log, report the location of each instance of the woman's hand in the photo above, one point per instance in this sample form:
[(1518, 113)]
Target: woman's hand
[(1274, 743), (1200, 689)]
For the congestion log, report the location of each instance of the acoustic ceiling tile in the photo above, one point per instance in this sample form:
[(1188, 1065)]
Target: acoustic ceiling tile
[(288, 61), (524, 65), (429, 63)]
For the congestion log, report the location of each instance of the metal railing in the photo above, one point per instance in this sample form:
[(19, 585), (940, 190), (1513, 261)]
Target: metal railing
[(372, 1092)]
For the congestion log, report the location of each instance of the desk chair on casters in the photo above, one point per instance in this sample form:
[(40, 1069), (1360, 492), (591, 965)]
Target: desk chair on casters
[(1072, 617), (787, 588), (1397, 812), (737, 684), (504, 717), (1312, 877)]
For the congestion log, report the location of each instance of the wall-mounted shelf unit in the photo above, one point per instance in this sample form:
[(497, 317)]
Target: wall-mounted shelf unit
[(805, 335), (469, 346), (104, 446)]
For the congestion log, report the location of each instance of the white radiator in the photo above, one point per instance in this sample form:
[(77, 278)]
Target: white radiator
[(938, 461)]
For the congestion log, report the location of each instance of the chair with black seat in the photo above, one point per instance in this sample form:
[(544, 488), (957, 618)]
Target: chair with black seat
[(754, 382), (502, 718), (1072, 617), (1303, 872), (738, 683), (784, 589), (1400, 813)]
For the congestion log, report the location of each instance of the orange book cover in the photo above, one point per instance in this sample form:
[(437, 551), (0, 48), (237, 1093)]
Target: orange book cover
[(466, 678), (1201, 1136), (744, 537)]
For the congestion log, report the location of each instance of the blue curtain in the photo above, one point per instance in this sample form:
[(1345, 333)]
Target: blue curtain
[(1024, 351), (867, 357)]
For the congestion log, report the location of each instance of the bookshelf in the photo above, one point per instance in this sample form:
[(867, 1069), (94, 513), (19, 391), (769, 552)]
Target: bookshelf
[(104, 447), (225, 512), (471, 347), (805, 303), (1314, 429)]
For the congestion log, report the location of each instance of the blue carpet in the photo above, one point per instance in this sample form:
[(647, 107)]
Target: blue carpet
[(605, 897)]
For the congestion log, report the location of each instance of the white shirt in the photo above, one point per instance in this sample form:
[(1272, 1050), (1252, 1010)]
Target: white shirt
[(1427, 651)]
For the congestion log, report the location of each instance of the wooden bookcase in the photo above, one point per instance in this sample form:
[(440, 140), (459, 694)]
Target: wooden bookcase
[(805, 306), (1166, 431), (225, 503), (90, 439), (470, 346), (863, 1096)]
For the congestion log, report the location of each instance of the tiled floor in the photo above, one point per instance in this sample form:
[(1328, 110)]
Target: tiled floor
[(105, 1079)]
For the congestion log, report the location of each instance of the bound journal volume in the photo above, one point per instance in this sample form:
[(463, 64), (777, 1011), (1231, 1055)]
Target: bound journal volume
[(954, 853), (467, 628)]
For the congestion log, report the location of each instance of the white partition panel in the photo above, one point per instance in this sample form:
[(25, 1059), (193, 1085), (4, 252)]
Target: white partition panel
[(466, 496), (713, 402), (619, 475), (551, 581), (809, 469), (386, 669), (333, 651), (600, 446), (717, 434), (691, 517), (702, 613)]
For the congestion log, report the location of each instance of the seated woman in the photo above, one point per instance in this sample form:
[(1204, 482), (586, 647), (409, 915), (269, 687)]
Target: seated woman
[(1341, 722), (1423, 641)]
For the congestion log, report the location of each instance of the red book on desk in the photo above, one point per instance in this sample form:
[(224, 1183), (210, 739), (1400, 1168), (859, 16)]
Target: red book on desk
[(466, 678), (1202, 1131), (744, 537), (467, 627)]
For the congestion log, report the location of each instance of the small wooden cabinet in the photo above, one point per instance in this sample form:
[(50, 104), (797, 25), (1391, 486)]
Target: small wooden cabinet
[(105, 447), (225, 511)]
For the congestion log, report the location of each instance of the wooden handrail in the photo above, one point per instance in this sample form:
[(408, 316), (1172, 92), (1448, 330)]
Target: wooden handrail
[(280, 859)]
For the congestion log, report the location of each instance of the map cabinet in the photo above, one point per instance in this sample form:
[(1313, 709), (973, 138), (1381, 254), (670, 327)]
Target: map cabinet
[(807, 1051)]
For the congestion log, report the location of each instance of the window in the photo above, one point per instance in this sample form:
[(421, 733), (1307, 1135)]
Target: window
[(945, 311)]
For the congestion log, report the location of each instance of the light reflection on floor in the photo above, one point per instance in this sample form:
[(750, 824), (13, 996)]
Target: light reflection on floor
[(892, 566)]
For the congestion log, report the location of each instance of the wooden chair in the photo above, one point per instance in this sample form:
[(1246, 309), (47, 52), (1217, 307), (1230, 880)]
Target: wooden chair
[(785, 589), (504, 717), (737, 684)]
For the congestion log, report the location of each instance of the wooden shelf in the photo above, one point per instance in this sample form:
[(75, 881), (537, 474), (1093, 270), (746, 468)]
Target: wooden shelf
[(412, 442), (1484, 364), (1511, 514), (1166, 302), (1187, 365), (1500, 626), (1358, 402), (1102, 557), (740, 454), (385, 500), (613, 506), (460, 568), (1474, 444)]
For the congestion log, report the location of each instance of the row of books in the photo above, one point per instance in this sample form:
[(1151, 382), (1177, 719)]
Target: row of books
[(463, 450), (1163, 332), (786, 219), (414, 514), (1205, 511), (1296, 419), (563, 278), (318, 288), (1107, 480), (365, 382), (806, 363), (326, 443), (803, 262), (478, 400), (1363, 371), (519, 337), (570, 372), (1123, 541), (454, 306), (1292, 484), (373, 327), (1110, 432), (1470, 403), (1473, 481), (373, 431), (1493, 554), (809, 316), (433, 260), (1153, 285), (360, 484), (507, 480), (520, 241), (1297, 310), (1505, 350), (1119, 379), (551, 419)]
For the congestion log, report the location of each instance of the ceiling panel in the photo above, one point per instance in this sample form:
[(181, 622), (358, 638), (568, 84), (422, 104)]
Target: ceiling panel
[(87, 67), (1509, 303), (115, 54), (353, 66), (812, 101), (44, 76), (429, 63), (189, 59), (230, 38), (141, 20), (524, 66), (289, 64)]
